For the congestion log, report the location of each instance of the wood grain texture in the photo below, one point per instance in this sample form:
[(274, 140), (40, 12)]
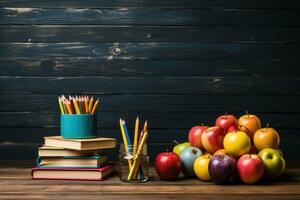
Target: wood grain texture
[(150, 16), (162, 103), (152, 196), (151, 85), (150, 3), (150, 68), (181, 51), (17, 180), (112, 33)]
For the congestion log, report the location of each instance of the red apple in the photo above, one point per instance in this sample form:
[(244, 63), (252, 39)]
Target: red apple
[(168, 165), (212, 139), (195, 136), (226, 121), (250, 168), (232, 128)]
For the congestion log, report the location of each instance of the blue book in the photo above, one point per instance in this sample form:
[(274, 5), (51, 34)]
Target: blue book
[(72, 161)]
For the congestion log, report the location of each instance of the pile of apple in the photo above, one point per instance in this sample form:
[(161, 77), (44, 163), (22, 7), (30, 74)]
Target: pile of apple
[(231, 150)]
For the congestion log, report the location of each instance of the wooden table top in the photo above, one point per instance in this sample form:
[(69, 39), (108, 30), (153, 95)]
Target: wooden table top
[(16, 183)]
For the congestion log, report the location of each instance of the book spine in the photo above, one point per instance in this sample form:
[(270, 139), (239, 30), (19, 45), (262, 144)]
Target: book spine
[(71, 179), (38, 161), (69, 167)]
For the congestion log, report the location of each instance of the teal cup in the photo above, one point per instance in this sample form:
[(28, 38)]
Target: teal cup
[(78, 126)]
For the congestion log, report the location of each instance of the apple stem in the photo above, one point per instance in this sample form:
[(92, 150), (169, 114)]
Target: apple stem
[(222, 156), (267, 126), (175, 142), (246, 111), (250, 155), (226, 114), (202, 124)]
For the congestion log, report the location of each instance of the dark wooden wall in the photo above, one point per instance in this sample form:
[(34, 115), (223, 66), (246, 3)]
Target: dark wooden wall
[(176, 63)]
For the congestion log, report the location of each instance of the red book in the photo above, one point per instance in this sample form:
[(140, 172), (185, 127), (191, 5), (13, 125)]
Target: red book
[(84, 174)]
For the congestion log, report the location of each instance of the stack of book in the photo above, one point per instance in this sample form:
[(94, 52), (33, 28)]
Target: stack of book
[(73, 159)]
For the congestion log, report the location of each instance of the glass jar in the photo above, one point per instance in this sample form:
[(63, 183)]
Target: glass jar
[(133, 168)]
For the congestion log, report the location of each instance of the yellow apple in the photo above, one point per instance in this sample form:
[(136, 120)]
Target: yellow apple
[(237, 143), (220, 152), (266, 138), (251, 123), (201, 167)]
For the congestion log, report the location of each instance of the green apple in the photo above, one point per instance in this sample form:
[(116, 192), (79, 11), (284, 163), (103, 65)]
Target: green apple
[(281, 154), (273, 161), (179, 147)]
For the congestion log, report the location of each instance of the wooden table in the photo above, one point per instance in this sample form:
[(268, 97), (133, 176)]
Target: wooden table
[(16, 183)]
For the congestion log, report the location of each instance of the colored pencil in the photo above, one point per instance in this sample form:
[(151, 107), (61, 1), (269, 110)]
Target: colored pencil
[(124, 140), (145, 126), (136, 132), (91, 104), (78, 104), (75, 102), (129, 151), (82, 104), (86, 103), (69, 107), (137, 159), (61, 106), (126, 133), (145, 129), (95, 106), (71, 104)]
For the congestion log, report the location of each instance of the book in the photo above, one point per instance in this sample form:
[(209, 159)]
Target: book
[(72, 161), (96, 174), (81, 144), (47, 151)]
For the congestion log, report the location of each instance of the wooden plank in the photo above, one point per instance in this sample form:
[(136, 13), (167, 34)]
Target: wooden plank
[(100, 33), (155, 119), (152, 196), (198, 188), (136, 189), (162, 103), (12, 180), (150, 68), (148, 3), (150, 16), (156, 85), (111, 51)]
